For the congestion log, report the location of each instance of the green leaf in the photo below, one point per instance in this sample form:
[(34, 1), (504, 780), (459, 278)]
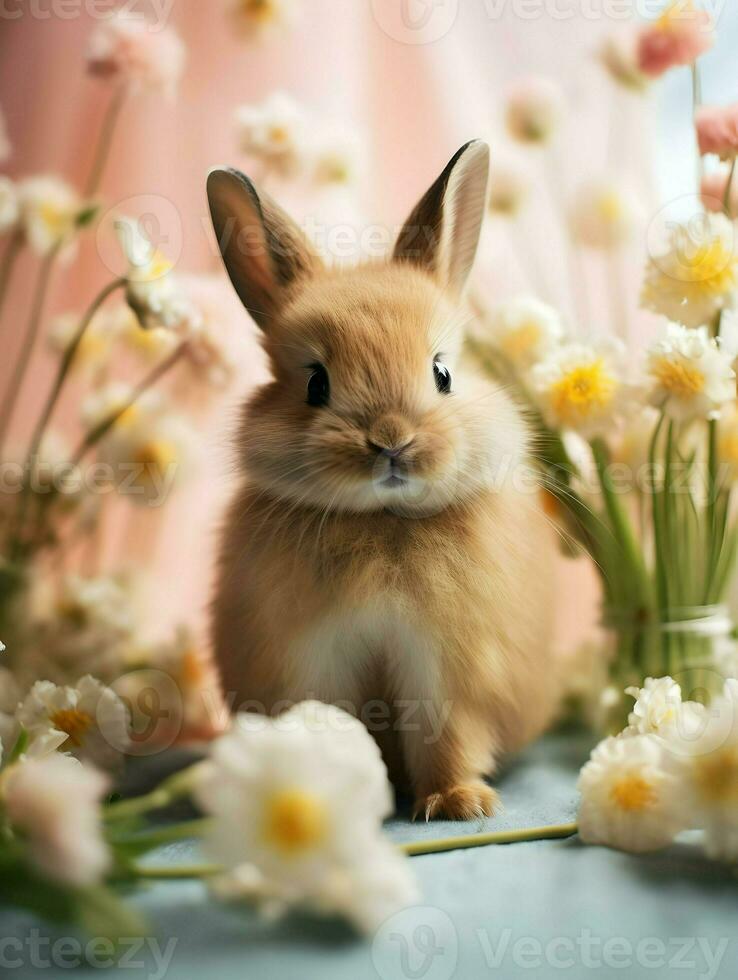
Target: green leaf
[(96, 909), (21, 744), (87, 215)]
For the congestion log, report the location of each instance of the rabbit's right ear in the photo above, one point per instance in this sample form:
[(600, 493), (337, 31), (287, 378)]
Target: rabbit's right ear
[(263, 249)]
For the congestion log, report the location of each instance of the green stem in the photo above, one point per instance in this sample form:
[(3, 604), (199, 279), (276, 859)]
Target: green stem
[(29, 343), (658, 535), (96, 434), (155, 872), (554, 832), (621, 526), (53, 397), (414, 849), (174, 788), (696, 103), (729, 187), (159, 836), (6, 270), (104, 143)]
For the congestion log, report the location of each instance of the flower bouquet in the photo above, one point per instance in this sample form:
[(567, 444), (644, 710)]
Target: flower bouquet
[(638, 453)]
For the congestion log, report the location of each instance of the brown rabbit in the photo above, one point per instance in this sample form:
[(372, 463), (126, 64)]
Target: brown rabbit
[(383, 552)]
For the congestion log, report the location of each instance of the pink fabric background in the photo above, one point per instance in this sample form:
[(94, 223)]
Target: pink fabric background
[(415, 104)]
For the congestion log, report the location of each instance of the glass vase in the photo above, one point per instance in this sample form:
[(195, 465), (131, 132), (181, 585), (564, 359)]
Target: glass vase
[(695, 645)]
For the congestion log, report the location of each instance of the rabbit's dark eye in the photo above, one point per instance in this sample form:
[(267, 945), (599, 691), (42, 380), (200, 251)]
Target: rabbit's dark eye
[(443, 377), (318, 388)]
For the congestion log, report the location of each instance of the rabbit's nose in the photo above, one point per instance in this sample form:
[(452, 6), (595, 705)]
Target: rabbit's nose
[(391, 452)]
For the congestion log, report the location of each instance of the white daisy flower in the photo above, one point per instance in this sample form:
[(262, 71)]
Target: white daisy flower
[(690, 375), (604, 214), (209, 351), (579, 387), (298, 803), (54, 803), (149, 455), (92, 716), (152, 290), (113, 397), (534, 110), (337, 155), (696, 276), (708, 762), (631, 797), (262, 19), (274, 133), (9, 204), (525, 330), (49, 208), (619, 56), (659, 710), (509, 186)]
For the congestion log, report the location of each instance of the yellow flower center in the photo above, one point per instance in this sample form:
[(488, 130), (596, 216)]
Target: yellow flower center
[(259, 9), (522, 341), (709, 267), (610, 207), (154, 457), (716, 776), (295, 822), (278, 134), (74, 612), (679, 378), (633, 794), (75, 723), (57, 220), (584, 390)]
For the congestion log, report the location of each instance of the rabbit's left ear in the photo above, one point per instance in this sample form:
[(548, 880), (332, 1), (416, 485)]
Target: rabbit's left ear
[(442, 233)]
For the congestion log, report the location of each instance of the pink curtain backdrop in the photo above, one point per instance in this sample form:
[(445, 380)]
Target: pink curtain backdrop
[(415, 104)]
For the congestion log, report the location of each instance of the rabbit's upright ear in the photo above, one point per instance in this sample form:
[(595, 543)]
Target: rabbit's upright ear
[(263, 249), (442, 233)]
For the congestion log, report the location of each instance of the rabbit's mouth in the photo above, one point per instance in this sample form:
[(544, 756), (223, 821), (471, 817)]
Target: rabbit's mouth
[(395, 475), (393, 480)]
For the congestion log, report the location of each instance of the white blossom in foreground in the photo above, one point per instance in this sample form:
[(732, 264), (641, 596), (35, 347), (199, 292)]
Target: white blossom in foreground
[(630, 795), (54, 802), (298, 804), (92, 717), (690, 376), (604, 215), (708, 761), (525, 329), (696, 276), (275, 134), (9, 204), (659, 710), (579, 387), (49, 208), (152, 290)]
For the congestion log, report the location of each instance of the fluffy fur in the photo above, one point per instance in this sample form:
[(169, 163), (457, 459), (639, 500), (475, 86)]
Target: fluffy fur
[(422, 605)]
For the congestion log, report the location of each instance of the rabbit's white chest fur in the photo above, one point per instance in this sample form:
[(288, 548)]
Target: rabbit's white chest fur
[(335, 658)]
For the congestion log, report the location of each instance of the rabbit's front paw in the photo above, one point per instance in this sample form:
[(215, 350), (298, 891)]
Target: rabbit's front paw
[(465, 801)]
